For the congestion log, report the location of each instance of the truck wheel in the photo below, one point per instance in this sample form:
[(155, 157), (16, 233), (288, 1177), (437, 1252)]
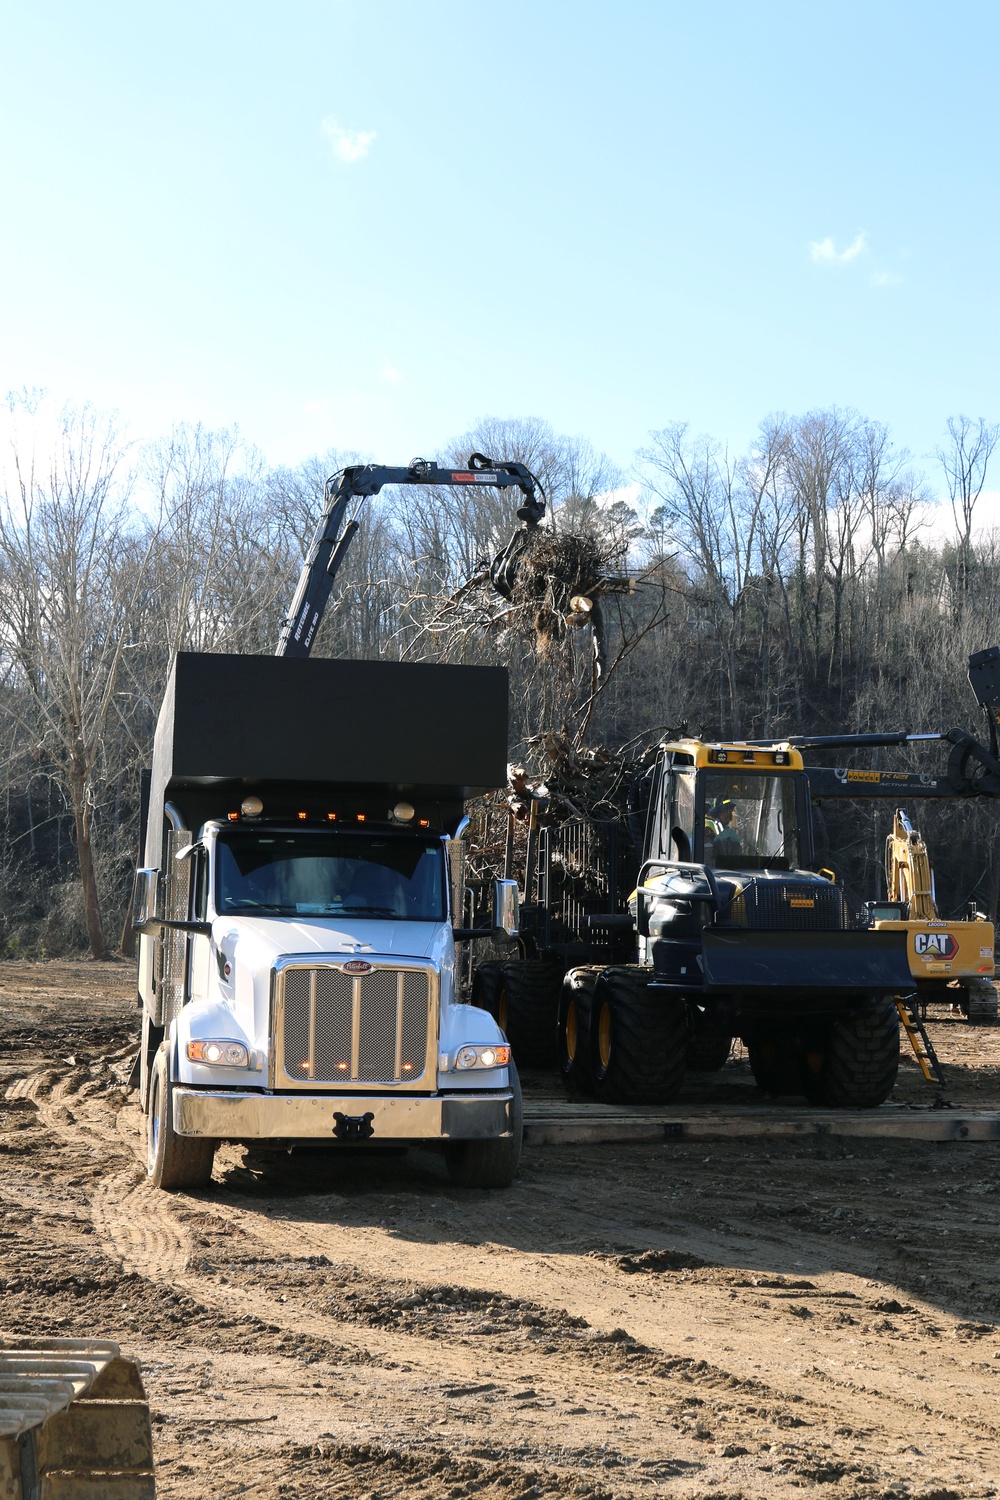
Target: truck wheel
[(489, 1164), (172, 1161), (486, 986), (707, 1054), (979, 1002), (638, 1040), (574, 1028), (528, 1009), (862, 1057)]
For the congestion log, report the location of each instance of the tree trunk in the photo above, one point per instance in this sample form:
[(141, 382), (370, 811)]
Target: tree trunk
[(88, 875)]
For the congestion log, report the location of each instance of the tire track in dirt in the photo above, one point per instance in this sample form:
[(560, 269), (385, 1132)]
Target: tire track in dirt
[(147, 1232)]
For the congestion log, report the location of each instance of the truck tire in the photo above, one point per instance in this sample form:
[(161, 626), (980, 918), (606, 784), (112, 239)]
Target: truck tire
[(638, 1040), (707, 1054), (172, 1161), (489, 1164), (486, 986), (862, 1057), (979, 1001), (574, 1028), (528, 1010)]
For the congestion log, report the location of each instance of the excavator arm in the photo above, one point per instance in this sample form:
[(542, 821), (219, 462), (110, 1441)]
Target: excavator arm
[(908, 876), (343, 496)]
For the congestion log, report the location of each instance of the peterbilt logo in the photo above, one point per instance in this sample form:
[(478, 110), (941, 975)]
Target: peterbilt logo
[(356, 966), (935, 945)]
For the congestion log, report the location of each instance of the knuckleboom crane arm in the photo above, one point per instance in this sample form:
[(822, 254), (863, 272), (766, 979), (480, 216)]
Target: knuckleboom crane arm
[(973, 769), (343, 496)]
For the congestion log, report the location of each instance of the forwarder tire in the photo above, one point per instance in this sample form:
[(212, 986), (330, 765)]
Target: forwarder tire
[(575, 1008), (489, 1164), (707, 1054), (638, 1040), (862, 1057), (486, 985), (778, 1066), (528, 1009), (173, 1161)]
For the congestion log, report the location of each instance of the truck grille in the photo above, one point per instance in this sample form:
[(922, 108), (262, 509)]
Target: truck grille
[(350, 1028)]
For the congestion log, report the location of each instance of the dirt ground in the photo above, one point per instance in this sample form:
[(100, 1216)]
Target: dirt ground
[(753, 1318)]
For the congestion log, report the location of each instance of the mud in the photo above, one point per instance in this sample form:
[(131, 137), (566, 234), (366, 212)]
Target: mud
[(748, 1319)]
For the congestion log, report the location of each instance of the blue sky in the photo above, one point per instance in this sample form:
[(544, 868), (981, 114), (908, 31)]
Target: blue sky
[(367, 223)]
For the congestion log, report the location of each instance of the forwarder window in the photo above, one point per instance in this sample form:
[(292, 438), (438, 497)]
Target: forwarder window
[(750, 822)]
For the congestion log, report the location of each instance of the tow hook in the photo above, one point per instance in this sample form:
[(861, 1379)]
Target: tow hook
[(353, 1127)]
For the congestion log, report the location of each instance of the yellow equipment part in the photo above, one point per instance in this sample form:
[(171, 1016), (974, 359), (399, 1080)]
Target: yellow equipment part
[(946, 950), (936, 949)]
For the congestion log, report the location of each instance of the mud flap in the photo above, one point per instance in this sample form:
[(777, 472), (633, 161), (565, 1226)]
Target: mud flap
[(742, 962)]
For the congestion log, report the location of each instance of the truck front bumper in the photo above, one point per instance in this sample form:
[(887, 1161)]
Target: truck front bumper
[(226, 1115)]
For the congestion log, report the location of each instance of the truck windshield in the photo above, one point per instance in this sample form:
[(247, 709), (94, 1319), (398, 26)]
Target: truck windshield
[(320, 873), (750, 821)]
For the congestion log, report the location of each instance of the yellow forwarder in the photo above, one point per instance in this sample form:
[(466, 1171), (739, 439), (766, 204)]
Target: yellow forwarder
[(733, 928)]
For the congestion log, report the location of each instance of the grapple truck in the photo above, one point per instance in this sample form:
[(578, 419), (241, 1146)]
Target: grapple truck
[(298, 909)]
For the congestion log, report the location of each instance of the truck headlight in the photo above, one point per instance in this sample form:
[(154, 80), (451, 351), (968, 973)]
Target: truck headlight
[(482, 1057), (219, 1053)]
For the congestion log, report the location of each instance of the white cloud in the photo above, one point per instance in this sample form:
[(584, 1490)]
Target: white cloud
[(885, 278), (391, 375), (825, 252), (347, 145)]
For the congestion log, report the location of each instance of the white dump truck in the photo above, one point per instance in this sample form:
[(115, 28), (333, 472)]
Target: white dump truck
[(298, 907)]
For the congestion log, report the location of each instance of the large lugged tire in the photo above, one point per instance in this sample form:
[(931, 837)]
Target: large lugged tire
[(528, 1009), (489, 1164), (638, 1040), (778, 1066), (486, 985), (707, 1054), (979, 1001), (574, 1028), (862, 1057), (173, 1161)]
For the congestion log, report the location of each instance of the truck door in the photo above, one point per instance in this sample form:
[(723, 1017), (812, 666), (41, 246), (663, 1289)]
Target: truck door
[(199, 947)]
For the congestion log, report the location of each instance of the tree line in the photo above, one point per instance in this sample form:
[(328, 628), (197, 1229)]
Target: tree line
[(794, 587)]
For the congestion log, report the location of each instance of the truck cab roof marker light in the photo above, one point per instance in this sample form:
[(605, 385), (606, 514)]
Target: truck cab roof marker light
[(233, 817), (302, 816), (331, 817), (424, 822), (361, 817)]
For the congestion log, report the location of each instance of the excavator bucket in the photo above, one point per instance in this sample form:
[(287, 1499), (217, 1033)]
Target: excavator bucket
[(74, 1422), (805, 965)]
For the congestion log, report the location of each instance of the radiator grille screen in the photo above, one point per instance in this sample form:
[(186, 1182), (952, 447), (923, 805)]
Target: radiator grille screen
[(369, 1028)]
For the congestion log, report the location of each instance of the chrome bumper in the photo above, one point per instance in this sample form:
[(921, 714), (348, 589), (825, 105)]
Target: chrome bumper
[(227, 1116)]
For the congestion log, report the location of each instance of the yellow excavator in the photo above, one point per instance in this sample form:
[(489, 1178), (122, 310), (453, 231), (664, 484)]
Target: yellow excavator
[(951, 961)]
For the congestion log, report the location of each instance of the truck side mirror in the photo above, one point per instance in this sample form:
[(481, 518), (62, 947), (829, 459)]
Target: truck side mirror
[(506, 908), (144, 894)]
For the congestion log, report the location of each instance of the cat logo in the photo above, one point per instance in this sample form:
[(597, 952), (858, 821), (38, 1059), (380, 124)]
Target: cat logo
[(934, 945)]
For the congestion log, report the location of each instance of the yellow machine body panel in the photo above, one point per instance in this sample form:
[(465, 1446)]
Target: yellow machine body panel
[(946, 950)]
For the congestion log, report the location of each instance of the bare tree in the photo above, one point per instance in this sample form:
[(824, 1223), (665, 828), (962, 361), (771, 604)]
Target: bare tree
[(965, 459), (66, 539)]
